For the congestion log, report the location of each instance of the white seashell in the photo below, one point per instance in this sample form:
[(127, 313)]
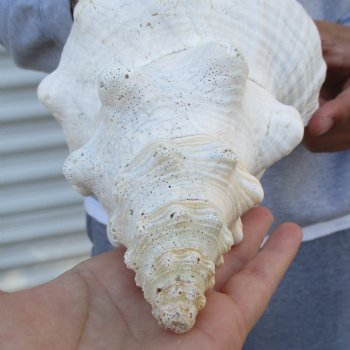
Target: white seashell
[(171, 110)]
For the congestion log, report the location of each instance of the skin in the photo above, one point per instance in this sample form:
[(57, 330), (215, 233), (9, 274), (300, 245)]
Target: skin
[(96, 305), (329, 128), (73, 3)]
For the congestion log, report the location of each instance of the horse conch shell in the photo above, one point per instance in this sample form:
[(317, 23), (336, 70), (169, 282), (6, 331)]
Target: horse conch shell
[(172, 110)]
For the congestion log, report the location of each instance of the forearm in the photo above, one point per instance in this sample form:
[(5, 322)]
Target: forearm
[(35, 31)]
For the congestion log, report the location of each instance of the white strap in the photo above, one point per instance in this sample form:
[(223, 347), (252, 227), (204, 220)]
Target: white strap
[(95, 210), (321, 229)]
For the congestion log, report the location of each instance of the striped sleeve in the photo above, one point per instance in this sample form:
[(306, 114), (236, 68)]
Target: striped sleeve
[(35, 31)]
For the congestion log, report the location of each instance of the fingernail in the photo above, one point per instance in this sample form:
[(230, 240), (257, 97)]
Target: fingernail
[(324, 124)]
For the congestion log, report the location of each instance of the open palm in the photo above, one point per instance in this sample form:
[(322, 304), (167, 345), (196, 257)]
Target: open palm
[(96, 305)]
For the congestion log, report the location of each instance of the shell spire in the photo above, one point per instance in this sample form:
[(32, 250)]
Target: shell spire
[(172, 110), (174, 246)]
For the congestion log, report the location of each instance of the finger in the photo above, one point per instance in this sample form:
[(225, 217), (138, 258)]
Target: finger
[(334, 39), (336, 110), (256, 223), (253, 287)]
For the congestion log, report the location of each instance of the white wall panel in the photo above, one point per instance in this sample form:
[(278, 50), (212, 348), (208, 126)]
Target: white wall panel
[(42, 221)]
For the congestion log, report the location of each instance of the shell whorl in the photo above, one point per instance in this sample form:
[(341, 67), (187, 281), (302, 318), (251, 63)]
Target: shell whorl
[(279, 41), (174, 219)]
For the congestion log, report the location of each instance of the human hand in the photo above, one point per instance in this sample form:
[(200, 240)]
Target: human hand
[(97, 305), (73, 3), (329, 128)]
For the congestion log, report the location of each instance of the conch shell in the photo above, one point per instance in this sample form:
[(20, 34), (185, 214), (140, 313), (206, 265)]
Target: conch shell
[(172, 110)]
